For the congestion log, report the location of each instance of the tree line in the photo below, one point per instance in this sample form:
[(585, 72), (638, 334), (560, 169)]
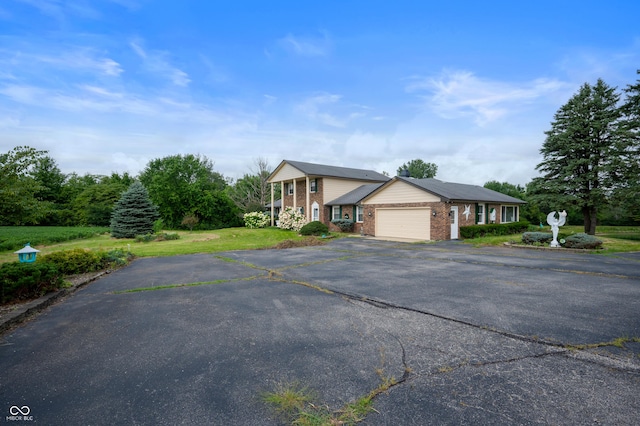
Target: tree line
[(590, 168), (186, 189)]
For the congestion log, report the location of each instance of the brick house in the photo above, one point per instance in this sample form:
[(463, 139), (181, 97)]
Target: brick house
[(307, 187), (399, 207)]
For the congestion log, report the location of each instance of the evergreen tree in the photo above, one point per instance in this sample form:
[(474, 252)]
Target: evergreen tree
[(134, 213), (583, 152)]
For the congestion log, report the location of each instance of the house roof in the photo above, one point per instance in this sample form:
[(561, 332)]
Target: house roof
[(311, 169), (355, 196), (460, 192)]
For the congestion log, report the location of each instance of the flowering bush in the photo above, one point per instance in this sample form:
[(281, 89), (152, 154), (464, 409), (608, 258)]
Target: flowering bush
[(291, 219), (256, 220)]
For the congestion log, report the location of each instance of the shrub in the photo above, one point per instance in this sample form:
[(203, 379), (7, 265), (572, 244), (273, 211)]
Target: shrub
[(28, 280), (76, 261), (255, 220), (476, 231), (537, 237), (190, 220), (158, 226), (314, 228), (163, 236), (344, 225), (583, 241), (114, 258), (291, 219)]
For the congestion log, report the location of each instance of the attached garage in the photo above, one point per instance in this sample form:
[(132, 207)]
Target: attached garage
[(404, 222)]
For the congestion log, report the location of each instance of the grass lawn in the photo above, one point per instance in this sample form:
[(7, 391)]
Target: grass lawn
[(189, 242), (615, 238)]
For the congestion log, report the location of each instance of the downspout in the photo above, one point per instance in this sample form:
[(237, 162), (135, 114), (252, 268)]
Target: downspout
[(308, 199)]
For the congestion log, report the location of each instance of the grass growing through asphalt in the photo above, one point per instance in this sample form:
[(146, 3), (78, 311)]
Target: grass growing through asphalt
[(294, 404), (615, 238), (218, 240)]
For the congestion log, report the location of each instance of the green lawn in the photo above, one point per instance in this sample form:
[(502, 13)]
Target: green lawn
[(615, 238), (189, 242)]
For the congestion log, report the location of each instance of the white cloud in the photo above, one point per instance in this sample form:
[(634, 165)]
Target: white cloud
[(60, 9), (456, 94), (28, 59), (314, 108), (306, 46), (157, 63)]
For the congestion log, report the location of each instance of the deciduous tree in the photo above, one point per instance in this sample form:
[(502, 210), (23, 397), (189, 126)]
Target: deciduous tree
[(419, 169), (187, 184), (252, 192), (19, 203)]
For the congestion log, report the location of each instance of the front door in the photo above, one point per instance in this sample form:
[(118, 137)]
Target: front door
[(453, 216)]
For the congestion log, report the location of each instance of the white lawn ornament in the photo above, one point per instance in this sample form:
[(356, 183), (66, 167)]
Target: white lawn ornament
[(556, 223)]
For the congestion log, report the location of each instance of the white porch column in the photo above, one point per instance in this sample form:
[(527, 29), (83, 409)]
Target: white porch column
[(295, 194), (272, 206)]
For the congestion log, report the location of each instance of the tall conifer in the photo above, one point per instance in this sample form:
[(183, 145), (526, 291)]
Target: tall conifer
[(134, 213), (582, 151)]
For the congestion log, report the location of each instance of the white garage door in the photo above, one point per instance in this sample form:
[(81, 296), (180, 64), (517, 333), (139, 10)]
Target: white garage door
[(404, 223)]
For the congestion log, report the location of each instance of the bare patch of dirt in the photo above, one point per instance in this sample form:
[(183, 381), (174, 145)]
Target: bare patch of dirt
[(207, 237), (307, 242)]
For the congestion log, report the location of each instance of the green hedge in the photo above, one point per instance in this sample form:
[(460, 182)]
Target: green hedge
[(31, 280), (345, 225), (78, 261), (583, 241), (537, 237), (27, 280), (314, 228), (476, 231)]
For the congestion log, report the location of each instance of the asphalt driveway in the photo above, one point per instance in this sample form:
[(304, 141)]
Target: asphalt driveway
[(470, 336)]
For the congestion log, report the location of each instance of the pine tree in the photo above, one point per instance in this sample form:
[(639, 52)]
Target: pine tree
[(134, 213), (583, 151)]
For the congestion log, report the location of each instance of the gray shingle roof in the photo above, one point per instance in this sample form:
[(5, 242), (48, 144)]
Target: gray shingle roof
[(461, 192), (312, 169), (355, 196)]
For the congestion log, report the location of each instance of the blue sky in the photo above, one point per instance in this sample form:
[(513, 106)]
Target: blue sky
[(108, 85)]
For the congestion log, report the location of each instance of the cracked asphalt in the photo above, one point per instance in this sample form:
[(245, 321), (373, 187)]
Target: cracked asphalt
[(470, 335)]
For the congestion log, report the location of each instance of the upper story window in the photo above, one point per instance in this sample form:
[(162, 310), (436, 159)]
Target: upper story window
[(509, 214), (313, 185), (288, 188)]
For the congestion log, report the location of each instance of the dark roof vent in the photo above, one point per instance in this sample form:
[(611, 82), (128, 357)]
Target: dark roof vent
[(404, 173)]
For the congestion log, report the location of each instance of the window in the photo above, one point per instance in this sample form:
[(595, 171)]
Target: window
[(313, 186), (301, 210), (480, 213), (289, 188), (359, 213), (335, 213), (509, 214)]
